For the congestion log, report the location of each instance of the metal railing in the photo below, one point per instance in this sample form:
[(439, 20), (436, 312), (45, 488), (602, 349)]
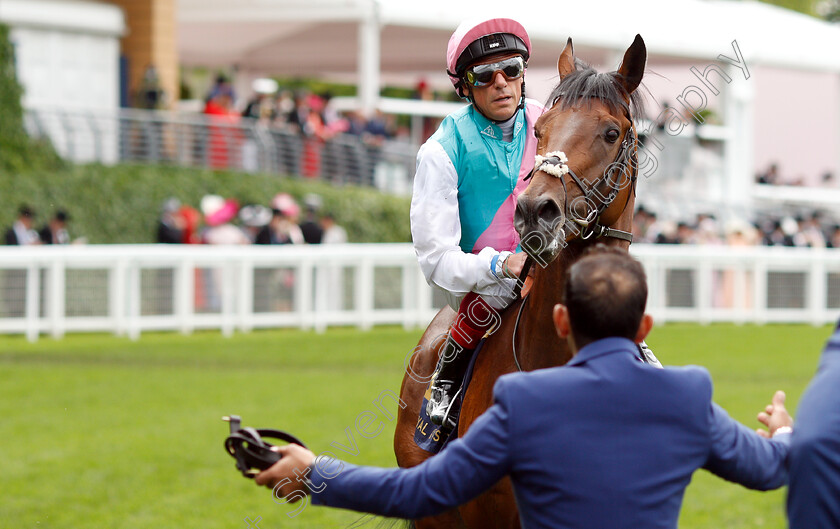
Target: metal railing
[(216, 142), (129, 289)]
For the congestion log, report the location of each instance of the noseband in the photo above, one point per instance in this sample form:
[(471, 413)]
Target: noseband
[(554, 163)]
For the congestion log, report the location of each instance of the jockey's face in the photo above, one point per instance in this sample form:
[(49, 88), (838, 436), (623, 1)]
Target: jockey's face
[(499, 99)]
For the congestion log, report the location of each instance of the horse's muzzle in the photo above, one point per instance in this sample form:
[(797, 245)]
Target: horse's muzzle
[(539, 221)]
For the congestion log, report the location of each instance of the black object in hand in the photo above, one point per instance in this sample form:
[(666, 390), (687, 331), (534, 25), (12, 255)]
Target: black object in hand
[(252, 453)]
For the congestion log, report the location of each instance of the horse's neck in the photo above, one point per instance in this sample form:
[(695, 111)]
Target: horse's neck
[(536, 336)]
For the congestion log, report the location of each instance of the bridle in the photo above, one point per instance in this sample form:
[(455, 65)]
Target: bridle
[(555, 163), (625, 160)]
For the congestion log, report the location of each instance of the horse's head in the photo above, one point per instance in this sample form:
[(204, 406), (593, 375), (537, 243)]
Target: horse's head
[(585, 170)]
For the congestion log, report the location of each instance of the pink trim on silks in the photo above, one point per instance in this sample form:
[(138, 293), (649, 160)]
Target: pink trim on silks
[(501, 235)]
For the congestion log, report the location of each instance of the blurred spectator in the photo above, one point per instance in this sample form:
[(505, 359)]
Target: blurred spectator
[(283, 228), (218, 213), (150, 94), (376, 130), (666, 232), (223, 139), (741, 233), (834, 236), (298, 116), (284, 103), (170, 229), (262, 105), (333, 233), (779, 235), (356, 123), (811, 232), (685, 234), (221, 85), (770, 176), (21, 233), (55, 231), (254, 218), (642, 221), (708, 232), (334, 123), (310, 227), (192, 221)]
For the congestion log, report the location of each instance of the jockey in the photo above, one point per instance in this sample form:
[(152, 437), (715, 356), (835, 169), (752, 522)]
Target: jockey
[(469, 174)]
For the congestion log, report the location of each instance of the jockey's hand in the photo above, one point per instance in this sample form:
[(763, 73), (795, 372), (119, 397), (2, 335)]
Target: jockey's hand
[(290, 473), (774, 416), (515, 263)]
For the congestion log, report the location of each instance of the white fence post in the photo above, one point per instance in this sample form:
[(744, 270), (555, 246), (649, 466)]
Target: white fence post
[(55, 298), (132, 305), (33, 310), (184, 296), (817, 290), (245, 295)]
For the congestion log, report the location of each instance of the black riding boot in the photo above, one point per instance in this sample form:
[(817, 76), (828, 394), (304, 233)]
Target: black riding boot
[(443, 406)]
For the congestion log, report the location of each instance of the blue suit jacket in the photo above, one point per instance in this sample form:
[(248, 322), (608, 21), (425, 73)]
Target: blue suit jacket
[(814, 492), (606, 442)]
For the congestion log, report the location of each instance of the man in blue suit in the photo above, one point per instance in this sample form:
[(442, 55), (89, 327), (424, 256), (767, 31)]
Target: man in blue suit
[(605, 441), (814, 492)]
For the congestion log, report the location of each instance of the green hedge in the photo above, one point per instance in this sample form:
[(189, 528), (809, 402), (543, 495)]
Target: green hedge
[(121, 204)]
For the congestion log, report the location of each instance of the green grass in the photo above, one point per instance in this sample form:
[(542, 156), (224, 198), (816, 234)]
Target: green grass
[(101, 432)]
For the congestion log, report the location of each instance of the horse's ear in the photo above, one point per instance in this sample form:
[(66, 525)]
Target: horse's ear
[(566, 62), (633, 65)]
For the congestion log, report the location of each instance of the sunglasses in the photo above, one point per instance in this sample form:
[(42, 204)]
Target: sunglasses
[(483, 74)]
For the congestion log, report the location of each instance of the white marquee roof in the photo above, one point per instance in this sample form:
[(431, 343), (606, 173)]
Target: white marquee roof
[(296, 37)]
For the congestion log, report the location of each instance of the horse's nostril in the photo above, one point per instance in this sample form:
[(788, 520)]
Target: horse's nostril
[(548, 213)]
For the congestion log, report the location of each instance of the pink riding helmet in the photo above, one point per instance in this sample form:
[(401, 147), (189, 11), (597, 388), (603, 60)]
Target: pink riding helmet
[(476, 39)]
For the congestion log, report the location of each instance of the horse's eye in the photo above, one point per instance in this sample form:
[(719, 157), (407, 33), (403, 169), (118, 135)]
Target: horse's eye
[(537, 134), (611, 135)]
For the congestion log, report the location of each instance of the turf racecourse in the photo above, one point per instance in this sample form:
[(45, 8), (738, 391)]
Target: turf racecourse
[(101, 432)]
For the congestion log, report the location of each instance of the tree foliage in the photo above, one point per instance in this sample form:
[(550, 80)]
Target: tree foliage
[(18, 151)]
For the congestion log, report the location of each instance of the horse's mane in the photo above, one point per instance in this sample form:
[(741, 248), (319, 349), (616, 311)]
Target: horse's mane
[(586, 83)]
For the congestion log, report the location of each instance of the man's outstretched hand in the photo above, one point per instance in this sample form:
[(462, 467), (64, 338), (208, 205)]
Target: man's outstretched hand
[(774, 416), (290, 472)]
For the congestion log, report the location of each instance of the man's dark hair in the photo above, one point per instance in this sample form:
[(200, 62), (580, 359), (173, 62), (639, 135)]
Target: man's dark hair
[(606, 293)]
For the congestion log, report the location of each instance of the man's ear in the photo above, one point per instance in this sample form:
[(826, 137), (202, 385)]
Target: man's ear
[(561, 321), (644, 328)]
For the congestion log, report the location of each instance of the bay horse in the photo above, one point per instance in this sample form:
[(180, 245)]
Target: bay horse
[(582, 190)]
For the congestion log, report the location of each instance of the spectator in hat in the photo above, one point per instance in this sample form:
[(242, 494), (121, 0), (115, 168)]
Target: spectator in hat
[(218, 213), (262, 106), (310, 227), (55, 231), (283, 228), (254, 219), (170, 228), (21, 233)]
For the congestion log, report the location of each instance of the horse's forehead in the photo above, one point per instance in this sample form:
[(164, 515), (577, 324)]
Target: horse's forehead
[(582, 114)]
